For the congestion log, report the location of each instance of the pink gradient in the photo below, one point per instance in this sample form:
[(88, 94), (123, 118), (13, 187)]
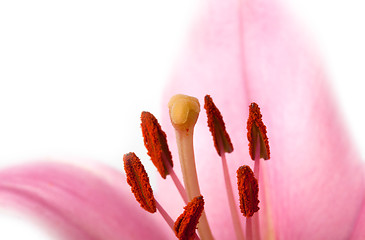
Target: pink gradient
[(255, 52), (80, 203), (240, 51)]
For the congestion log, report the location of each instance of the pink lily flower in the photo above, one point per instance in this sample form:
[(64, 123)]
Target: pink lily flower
[(241, 51)]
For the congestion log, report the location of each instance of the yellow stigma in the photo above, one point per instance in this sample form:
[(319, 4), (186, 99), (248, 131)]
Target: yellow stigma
[(184, 111)]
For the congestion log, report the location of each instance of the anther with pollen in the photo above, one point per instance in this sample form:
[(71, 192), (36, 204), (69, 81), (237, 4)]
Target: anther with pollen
[(138, 179), (256, 132), (258, 148), (157, 148), (186, 223), (156, 143), (223, 144), (217, 127), (248, 190)]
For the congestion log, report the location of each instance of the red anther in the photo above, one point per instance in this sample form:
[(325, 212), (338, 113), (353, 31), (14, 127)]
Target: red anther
[(217, 127), (256, 128), (138, 179), (248, 190), (156, 143), (186, 223)]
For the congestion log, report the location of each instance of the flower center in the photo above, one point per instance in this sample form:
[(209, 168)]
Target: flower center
[(184, 111)]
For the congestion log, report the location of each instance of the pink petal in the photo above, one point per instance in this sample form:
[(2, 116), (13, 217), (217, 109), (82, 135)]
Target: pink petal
[(359, 230), (255, 52), (79, 203)]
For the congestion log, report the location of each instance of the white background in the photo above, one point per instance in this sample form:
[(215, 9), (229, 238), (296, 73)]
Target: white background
[(75, 75)]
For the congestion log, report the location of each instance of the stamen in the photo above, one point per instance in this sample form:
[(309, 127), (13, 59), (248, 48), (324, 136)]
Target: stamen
[(231, 199), (255, 225), (259, 148), (184, 112), (165, 216), (248, 190), (138, 179), (255, 128), (157, 148), (155, 143), (186, 223), (217, 127), (222, 143)]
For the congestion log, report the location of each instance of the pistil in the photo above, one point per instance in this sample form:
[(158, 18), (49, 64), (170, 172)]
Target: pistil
[(184, 112)]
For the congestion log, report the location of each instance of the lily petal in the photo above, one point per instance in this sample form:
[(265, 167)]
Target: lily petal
[(359, 230), (79, 203), (245, 51)]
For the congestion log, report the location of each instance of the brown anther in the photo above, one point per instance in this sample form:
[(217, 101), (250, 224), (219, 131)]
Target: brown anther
[(248, 190), (156, 143), (217, 127), (255, 128), (138, 179), (186, 223)]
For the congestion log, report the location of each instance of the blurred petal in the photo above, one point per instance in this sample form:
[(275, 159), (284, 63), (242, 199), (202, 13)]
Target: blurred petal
[(244, 51), (359, 230), (79, 203)]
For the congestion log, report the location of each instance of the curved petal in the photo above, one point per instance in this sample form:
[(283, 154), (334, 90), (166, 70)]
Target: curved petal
[(244, 51), (79, 203)]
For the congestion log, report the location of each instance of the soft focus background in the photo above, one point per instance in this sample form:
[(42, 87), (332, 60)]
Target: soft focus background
[(75, 75)]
